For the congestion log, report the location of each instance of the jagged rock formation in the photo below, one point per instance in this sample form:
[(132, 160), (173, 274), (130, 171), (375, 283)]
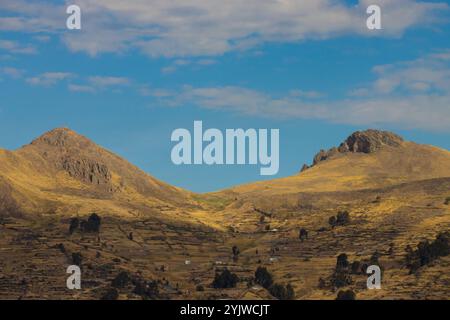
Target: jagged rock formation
[(370, 141), (87, 170), (304, 167), (367, 141)]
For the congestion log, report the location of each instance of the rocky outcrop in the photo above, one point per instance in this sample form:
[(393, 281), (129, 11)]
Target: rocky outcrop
[(368, 141), (304, 167), (87, 170), (324, 155)]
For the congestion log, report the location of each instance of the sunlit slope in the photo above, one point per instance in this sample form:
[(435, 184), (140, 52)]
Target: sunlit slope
[(63, 171), (388, 165)]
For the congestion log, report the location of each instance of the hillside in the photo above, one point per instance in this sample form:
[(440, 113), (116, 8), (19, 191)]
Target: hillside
[(382, 159), (168, 243), (64, 172)]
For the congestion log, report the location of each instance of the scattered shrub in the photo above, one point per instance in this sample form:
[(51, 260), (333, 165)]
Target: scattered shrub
[(303, 234), (61, 247), (332, 221), (74, 224), (447, 201), (341, 276), (121, 280), (91, 225), (355, 267), (146, 289), (263, 277), (225, 279), (342, 262), (341, 219), (346, 295), (77, 258), (427, 252), (110, 294), (322, 283), (200, 288), (281, 292)]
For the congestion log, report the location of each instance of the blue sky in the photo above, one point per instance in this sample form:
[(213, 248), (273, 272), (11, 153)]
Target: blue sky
[(140, 69)]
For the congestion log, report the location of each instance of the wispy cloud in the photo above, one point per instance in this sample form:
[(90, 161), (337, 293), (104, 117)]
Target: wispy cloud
[(16, 47), (180, 63), (102, 81), (80, 88), (48, 78), (99, 83), (410, 94), (12, 72), (184, 28)]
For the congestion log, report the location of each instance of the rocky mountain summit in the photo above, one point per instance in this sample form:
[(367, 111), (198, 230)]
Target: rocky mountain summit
[(368, 141)]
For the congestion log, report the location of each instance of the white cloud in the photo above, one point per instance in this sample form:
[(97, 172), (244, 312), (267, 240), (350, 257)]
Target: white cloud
[(97, 83), (102, 81), (410, 94), (181, 28), (180, 63), (16, 47), (12, 72), (48, 78), (306, 94), (80, 88)]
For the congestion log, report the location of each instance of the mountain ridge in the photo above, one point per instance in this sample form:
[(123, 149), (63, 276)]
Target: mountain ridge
[(68, 167)]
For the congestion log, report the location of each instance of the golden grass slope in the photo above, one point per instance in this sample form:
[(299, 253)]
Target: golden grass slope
[(65, 172), (353, 171)]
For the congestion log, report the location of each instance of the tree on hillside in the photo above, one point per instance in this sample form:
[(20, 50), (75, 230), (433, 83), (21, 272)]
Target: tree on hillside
[(342, 218), (74, 224), (303, 234), (342, 262), (121, 280), (356, 267), (94, 222), (346, 295), (332, 221), (225, 279), (263, 277)]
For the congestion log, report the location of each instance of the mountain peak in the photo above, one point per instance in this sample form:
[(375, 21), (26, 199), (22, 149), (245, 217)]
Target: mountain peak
[(62, 137), (367, 141)]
